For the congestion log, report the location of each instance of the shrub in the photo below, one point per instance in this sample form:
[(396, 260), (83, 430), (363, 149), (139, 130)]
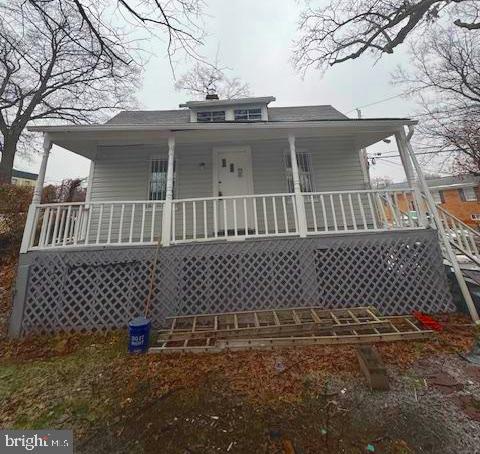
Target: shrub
[(14, 202)]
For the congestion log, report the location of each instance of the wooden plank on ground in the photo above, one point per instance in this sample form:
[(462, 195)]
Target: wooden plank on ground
[(372, 367), (219, 345)]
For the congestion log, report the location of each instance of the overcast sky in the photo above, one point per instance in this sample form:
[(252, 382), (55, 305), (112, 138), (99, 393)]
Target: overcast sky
[(254, 38)]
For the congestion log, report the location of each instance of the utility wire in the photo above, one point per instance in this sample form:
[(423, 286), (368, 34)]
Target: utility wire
[(377, 102), (386, 161), (396, 155)]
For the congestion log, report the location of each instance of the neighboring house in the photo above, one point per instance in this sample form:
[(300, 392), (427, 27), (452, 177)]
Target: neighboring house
[(21, 178), (228, 205), (459, 195)]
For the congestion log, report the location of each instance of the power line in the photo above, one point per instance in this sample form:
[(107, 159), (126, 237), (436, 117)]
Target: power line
[(377, 102), (396, 155), (392, 162)]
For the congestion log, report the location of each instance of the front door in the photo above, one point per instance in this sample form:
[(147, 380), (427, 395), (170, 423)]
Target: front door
[(234, 178)]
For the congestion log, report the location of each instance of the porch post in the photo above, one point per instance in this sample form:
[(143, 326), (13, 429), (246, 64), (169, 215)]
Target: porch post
[(299, 202), (37, 197), (88, 195), (401, 139), (37, 193), (168, 206), (441, 231)]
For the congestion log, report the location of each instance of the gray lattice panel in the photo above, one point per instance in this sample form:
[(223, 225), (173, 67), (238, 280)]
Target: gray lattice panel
[(103, 289)]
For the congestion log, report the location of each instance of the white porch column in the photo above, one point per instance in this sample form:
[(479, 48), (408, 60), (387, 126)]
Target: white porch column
[(88, 195), (362, 154), (300, 204), (37, 193), (167, 207), (401, 139), (32, 215), (441, 232)]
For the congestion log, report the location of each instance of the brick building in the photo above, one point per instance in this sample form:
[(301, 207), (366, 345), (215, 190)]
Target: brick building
[(459, 195)]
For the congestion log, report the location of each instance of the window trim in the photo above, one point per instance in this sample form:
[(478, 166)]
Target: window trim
[(211, 112), (149, 176), (248, 109), (463, 194), (475, 216), (288, 170), (440, 198)]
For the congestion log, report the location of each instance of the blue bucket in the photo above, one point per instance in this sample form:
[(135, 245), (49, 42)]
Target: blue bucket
[(138, 335)]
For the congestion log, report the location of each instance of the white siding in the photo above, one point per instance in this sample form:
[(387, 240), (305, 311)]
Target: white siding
[(122, 173)]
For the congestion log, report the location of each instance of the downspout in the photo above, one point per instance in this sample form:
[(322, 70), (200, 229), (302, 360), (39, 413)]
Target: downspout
[(441, 231)]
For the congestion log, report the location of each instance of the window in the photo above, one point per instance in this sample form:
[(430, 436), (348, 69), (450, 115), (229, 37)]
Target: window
[(438, 196), (158, 179), (475, 217), (468, 194), (214, 115), (248, 114), (304, 171)]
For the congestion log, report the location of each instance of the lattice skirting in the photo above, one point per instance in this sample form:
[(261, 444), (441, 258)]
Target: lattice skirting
[(104, 288)]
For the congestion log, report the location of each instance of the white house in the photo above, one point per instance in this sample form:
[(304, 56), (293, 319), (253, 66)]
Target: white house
[(252, 206)]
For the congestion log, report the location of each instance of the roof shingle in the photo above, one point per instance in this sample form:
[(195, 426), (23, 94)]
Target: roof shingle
[(180, 116)]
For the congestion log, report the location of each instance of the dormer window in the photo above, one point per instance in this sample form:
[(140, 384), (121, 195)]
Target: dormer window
[(214, 110), (211, 116), (248, 114)]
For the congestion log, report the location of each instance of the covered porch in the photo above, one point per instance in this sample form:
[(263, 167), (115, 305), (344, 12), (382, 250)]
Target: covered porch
[(88, 265), (276, 201)]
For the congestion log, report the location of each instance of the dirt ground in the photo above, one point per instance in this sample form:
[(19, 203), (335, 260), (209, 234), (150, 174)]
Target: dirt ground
[(308, 400)]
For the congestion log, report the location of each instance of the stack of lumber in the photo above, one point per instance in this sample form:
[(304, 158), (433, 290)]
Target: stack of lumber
[(266, 329)]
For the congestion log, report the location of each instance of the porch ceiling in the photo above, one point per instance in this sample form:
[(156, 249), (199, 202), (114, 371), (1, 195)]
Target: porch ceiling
[(83, 140)]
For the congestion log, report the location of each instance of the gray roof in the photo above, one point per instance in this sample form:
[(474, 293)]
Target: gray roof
[(277, 114), (25, 175), (450, 180), (304, 113), (150, 117)]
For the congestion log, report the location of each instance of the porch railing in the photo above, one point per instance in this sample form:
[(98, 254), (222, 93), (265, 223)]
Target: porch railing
[(233, 217), (216, 218), (463, 238), (96, 223), (338, 211)]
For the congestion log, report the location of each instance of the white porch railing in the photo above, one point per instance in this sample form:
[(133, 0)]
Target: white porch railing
[(217, 218), (339, 211), (233, 217), (462, 237), (96, 223)]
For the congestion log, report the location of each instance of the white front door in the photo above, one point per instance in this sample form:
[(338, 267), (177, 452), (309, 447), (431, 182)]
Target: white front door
[(234, 178)]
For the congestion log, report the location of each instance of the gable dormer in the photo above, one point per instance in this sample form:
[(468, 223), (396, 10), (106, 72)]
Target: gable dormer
[(220, 110)]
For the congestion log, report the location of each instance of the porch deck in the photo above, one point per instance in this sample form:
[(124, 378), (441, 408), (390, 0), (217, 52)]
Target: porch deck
[(141, 222)]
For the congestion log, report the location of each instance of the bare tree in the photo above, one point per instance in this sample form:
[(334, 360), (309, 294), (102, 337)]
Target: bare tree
[(444, 78), (69, 190), (51, 68), (72, 60), (205, 79), (178, 19), (346, 29)]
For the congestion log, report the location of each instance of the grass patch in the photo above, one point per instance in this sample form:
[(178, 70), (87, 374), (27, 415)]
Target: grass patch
[(78, 388)]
